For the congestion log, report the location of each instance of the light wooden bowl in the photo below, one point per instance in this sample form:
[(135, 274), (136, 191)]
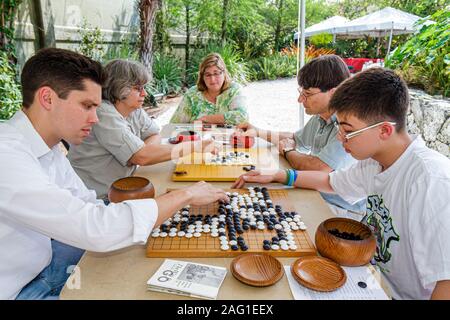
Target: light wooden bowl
[(259, 270), (131, 188), (318, 273), (346, 252)]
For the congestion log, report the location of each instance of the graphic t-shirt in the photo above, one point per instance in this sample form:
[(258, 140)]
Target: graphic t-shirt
[(408, 209)]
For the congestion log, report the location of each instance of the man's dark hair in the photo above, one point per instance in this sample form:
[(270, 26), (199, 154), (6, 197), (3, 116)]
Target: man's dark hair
[(324, 72), (60, 69), (374, 95)]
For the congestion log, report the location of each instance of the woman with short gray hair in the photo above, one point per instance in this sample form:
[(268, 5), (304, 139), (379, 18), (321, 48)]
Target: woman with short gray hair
[(125, 136)]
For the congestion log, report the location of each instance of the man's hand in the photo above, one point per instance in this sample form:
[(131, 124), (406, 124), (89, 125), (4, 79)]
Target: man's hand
[(246, 129), (285, 143), (255, 177), (203, 193)]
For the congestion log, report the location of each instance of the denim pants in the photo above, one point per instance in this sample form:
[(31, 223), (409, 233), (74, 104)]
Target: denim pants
[(48, 284)]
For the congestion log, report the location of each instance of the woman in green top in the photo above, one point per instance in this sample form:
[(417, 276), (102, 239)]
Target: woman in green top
[(215, 99)]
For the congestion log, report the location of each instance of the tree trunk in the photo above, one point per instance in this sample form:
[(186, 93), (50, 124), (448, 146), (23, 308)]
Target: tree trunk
[(280, 4), (147, 12), (188, 35), (225, 6)]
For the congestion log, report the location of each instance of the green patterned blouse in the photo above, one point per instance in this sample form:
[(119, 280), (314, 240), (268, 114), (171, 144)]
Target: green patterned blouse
[(231, 103)]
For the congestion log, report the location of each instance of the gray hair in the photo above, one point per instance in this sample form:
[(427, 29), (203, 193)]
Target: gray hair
[(120, 77)]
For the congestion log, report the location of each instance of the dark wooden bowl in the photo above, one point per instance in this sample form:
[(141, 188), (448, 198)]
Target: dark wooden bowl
[(131, 188), (259, 270), (345, 252), (318, 273)]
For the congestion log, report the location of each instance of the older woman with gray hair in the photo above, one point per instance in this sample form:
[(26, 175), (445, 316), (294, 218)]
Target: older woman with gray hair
[(125, 136)]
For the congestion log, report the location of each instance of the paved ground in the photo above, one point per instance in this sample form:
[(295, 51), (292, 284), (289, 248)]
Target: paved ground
[(271, 105)]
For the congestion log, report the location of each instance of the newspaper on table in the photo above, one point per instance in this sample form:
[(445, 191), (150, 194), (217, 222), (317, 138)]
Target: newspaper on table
[(349, 291), (188, 279)]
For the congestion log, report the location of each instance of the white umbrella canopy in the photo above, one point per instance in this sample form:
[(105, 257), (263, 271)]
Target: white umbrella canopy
[(387, 21), (325, 26)]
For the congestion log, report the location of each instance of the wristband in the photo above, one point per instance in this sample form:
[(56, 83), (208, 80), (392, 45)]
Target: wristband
[(288, 175), (291, 177), (295, 176)]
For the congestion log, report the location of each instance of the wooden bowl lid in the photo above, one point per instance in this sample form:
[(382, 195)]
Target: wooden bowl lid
[(259, 270), (318, 273)]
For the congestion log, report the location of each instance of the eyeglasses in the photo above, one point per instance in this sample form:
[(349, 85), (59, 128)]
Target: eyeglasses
[(215, 74), (139, 88), (348, 136), (306, 96)]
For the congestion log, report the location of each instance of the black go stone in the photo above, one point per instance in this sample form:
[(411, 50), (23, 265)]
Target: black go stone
[(234, 247), (266, 247), (362, 284)]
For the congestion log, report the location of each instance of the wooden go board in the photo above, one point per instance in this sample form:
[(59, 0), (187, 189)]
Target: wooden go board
[(193, 167), (208, 246)]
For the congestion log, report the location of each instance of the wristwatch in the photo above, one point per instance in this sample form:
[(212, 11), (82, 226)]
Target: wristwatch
[(286, 150)]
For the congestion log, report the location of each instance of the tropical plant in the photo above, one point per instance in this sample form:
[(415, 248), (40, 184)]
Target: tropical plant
[(10, 95), (167, 74), (147, 13), (424, 60), (91, 41), (278, 65)]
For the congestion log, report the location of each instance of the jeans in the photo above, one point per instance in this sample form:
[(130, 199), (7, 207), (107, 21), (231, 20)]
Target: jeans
[(48, 284)]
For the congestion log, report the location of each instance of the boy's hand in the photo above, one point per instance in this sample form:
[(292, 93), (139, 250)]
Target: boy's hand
[(203, 193), (207, 146), (253, 176)]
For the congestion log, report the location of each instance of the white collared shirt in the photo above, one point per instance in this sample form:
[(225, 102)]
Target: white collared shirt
[(42, 198)]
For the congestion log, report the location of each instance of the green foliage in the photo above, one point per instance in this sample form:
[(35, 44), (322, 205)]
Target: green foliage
[(10, 95), (127, 49), (424, 60), (321, 40), (167, 75), (273, 67), (235, 65), (91, 42)]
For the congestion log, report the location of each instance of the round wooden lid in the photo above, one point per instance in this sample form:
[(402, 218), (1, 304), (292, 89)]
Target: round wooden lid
[(257, 269), (318, 273)]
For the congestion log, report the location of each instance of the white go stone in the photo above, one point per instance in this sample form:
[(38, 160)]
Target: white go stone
[(223, 238), (275, 247), (173, 229), (224, 247), (172, 234), (214, 234), (181, 233), (233, 242), (291, 242), (283, 242), (188, 235), (293, 247), (163, 234), (284, 247), (155, 235), (295, 228), (278, 227), (197, 234), (302, 226), (288, 219), (261, 227)]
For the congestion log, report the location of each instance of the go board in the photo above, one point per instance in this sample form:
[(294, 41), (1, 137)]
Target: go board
[(197, 166), (208, 246)]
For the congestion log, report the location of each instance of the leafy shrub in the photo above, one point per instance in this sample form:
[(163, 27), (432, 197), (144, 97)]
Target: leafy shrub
[(127, 49), (272, 67), (235, 65), (91, 42), (424, 60), (10, 95), (167, 74), (321, 40)]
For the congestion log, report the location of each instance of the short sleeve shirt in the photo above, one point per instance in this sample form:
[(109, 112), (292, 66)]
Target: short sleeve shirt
[(103, 156), (318, 138), (231, 103)]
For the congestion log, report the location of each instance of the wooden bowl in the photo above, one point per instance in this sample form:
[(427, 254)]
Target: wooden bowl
[(255, 269), (318, 273), (131, 188), (345, 252)]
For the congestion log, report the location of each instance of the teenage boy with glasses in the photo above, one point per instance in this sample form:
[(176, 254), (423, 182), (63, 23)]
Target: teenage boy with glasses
[(315, 147), (406, 184)]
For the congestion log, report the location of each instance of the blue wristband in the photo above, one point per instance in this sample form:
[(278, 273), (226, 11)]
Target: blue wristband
[(295, 176), (291, 177)]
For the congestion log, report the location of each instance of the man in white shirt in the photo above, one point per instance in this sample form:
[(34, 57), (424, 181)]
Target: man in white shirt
[(406, 184), (41, 197)]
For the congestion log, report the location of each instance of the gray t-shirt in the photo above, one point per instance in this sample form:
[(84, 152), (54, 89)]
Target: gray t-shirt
[(318, 138), (103, 156)]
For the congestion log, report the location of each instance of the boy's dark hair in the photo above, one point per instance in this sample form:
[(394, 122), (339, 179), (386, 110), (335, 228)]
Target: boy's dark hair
[(62, 70), (324, 72), (374, 95)]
